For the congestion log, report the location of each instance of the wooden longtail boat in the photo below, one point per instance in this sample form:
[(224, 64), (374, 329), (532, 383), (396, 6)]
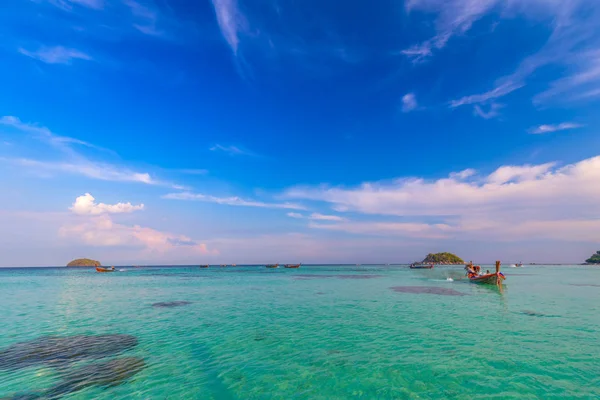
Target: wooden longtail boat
[(272, 265), (204, 266), (417, 266), (292, 265), (495, 278), (101, 269)]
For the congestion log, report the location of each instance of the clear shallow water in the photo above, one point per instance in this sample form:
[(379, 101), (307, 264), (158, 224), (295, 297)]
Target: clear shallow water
[(316, 332)]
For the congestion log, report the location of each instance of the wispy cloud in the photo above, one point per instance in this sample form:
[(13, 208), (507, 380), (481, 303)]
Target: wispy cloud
[(101, 171), (539, 130), (86, 205), (230, 201), (492, 112), (315, 217), (499, 91), (454, 17), (56, 55), (574, 43), (41, 132), (409, 102), (232, 150), (68, 4), (231, 22), (146, 17)]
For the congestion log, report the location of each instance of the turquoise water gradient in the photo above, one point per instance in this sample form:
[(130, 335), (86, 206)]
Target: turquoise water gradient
[(318, 332)]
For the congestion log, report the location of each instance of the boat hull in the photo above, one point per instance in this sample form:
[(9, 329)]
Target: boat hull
[(488, 279), (100, 269), (292, 266), (421, 266)]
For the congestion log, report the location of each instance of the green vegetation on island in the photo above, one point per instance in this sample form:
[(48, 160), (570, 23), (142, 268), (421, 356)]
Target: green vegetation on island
[(442, 258), (595, 259), (84, 262)]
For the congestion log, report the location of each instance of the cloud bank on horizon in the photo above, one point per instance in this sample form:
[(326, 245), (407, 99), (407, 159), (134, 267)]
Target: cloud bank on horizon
[(233, 131)]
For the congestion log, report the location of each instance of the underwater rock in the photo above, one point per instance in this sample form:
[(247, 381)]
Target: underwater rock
[(341, 276), (427, 290), (58, 351), (170, 304), (104, 374)]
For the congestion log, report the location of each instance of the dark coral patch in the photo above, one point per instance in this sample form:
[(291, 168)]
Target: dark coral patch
[(171, 304), (427, 290)]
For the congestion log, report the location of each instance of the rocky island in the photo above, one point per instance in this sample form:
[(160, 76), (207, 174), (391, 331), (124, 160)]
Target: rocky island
[(84, 262), (595, 259), (442, 258)]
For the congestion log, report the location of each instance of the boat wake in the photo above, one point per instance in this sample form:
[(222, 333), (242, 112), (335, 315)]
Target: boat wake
[(122, 270), (449, 280)]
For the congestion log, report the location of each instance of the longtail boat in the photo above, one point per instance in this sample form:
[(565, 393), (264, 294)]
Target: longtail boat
[(204, 266), (420, 266), (495, 278), (292, 265), (101, 269), (272, 265)]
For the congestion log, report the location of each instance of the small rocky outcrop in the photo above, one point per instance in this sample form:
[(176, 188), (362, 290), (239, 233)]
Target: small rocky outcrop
[(84, 262), (442, 258), (595, 259)]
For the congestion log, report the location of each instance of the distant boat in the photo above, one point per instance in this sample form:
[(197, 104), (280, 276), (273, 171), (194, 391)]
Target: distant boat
[(204, 266), (272, 265), (292, 265), (496, 278), (223, 265), (101, 269), (421, 266), (519, 265)]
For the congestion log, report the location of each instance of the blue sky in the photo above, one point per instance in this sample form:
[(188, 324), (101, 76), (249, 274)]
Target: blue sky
[(226, 131)]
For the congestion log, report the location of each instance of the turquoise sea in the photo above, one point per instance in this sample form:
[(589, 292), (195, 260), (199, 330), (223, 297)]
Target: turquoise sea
[(318, 332)]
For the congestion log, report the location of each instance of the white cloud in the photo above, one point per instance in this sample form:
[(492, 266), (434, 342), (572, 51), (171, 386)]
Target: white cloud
[(295, 215), (511, 203), (56, 55), (464, 174), (511, 173), (102, 231), (230, 201), (231, 22), (409, 102), (232, 150), (538, 130), (86, 205)]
